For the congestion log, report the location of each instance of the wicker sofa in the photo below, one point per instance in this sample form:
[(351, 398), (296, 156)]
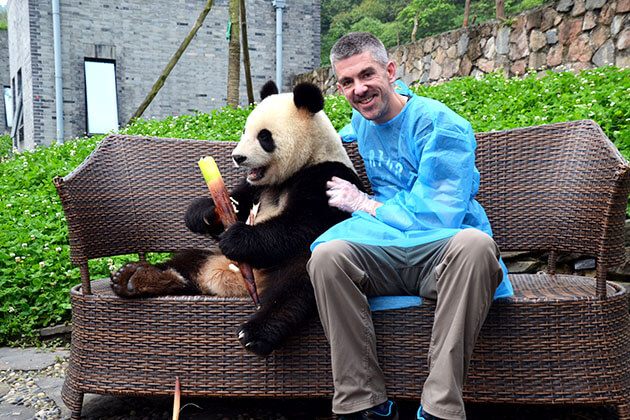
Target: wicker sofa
[(561, 339)]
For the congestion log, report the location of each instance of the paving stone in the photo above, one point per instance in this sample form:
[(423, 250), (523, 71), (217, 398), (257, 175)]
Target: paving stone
[(14, 412), (29, 358)]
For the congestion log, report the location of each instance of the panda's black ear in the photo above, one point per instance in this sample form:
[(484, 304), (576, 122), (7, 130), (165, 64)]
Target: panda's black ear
[(307, 95), (268, 89)]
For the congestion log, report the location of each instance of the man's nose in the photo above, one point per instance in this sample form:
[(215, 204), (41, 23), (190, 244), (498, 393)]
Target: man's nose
[(360, 88)]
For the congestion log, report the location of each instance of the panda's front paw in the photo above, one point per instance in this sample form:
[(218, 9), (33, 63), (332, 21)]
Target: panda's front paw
[(254, 340), (235, 243), (201, 217)]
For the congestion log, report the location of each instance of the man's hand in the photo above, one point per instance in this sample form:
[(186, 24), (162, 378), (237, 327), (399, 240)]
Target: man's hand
[(347, 197)]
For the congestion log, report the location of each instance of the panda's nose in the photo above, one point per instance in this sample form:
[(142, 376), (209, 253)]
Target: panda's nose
[(239, 159)]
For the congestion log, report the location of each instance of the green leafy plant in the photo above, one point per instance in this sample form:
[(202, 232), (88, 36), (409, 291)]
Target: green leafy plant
[(35, 271)]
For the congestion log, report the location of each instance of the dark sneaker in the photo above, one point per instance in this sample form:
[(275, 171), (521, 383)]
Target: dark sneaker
[(386, 411), (423, 415)]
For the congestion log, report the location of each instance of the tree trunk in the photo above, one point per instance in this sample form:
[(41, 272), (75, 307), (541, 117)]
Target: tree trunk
[(415, 27), (500, 5), (246, 63), (466, 13), (167, 70), (234, 59)]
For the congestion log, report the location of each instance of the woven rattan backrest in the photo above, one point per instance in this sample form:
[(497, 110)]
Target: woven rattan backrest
[(130, 195), (560, 187)]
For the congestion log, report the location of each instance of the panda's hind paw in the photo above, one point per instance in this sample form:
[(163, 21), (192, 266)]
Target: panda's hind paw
[(143, 279), (253, 342)]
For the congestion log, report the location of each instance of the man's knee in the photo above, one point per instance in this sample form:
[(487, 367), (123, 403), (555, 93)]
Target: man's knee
[(324, 258), (475, 244)]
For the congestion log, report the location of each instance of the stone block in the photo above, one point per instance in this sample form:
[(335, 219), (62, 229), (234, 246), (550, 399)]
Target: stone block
[(518, 68), (607, 14), (554, 57), (585, 264), (465, 66), (537, 60), (623, 6), (580, 49), (590, 21), (474, 50), (537, 40), (552, 36), (534, 19), (503, 40), (519, 46), (617, 25), (564, 5), (569, 30), (605, 55), (450, 68), (462, 44), (440, 55), (452, 52), (486, 66), (490, 50), (623, 40), (579, 8), (548, 19), (600, 35), (623, 59), (436, 71), (595, 4)]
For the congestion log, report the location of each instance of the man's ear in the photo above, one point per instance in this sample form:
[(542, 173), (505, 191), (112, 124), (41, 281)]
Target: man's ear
[(391, 71)]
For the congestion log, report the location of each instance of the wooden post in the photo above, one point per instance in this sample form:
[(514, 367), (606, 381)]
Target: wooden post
[(167, 70), (500, 6), (246, 62), (466, 13), (234, 58)]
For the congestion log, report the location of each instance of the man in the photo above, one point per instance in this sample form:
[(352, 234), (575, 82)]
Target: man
[(421, 234)]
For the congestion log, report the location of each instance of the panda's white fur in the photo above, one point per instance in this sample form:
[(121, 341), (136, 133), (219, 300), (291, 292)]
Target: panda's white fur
[(293, 131)]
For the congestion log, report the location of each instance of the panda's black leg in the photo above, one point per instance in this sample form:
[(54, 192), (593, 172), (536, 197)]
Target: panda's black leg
[(287, 302)]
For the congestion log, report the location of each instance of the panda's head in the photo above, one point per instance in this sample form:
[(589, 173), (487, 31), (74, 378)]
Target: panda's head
[(285, 133)]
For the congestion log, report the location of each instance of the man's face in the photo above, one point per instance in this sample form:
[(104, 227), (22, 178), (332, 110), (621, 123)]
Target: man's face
[(367, 85)]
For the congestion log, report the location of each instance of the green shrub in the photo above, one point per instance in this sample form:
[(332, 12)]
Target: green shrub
[(5, 146), (35, 272)]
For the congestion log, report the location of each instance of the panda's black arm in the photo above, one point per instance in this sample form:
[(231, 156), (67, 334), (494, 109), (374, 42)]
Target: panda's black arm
[(306, 216), (201, 216)]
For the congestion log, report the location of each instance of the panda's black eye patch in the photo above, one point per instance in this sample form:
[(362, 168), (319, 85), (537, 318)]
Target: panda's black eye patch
[(266, 140)]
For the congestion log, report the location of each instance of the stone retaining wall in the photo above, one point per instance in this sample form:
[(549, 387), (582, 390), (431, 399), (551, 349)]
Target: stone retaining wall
[(560, 35)]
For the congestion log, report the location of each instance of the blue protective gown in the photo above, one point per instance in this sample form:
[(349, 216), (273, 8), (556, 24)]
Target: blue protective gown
[(421, 166)]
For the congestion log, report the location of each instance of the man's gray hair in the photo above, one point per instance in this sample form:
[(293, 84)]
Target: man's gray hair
[(356, 43)]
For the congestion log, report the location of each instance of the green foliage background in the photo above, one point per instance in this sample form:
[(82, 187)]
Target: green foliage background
[(3, 18), (392, 22), (35, 273)]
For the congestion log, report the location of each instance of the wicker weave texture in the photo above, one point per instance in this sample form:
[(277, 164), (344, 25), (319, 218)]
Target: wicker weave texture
[(560, 339)]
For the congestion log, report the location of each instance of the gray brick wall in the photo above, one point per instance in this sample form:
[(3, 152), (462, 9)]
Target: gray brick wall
[(20, 55), (141, 37), (5, 79)]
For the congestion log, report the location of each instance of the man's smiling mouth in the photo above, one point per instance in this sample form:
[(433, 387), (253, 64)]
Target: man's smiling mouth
[(366, 100)]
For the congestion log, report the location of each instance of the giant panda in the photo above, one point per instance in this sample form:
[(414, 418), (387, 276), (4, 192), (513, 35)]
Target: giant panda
[(289, 149)]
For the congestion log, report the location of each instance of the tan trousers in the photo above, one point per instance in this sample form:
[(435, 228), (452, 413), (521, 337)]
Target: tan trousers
[(461, 273)]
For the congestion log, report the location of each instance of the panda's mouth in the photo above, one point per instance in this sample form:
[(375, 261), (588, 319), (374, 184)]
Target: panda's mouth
[(256, 174)]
